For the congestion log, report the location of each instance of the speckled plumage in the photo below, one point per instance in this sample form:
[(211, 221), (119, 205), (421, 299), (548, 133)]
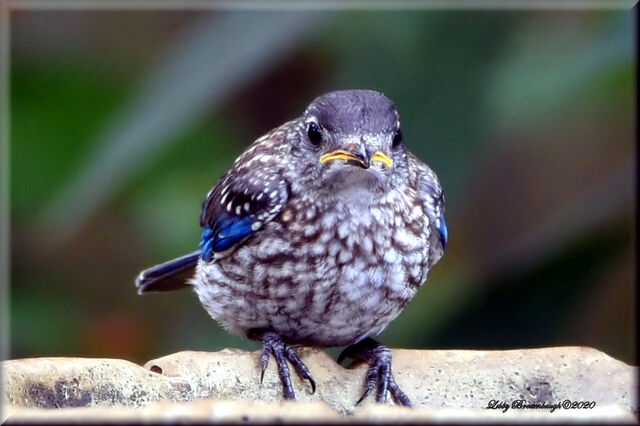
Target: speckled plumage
[(323, 253)]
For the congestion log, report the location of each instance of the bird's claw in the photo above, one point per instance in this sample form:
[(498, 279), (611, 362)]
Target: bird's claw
[(379, 359), (272, 344)]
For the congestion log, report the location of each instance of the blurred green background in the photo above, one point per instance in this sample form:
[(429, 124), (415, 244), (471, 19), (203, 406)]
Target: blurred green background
[(122, 120)]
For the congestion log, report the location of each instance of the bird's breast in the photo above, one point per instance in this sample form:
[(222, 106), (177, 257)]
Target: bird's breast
[(384, 241), (323, 272)]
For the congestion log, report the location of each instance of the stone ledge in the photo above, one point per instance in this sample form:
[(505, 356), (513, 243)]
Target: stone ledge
[(445, 385), (211, 411)]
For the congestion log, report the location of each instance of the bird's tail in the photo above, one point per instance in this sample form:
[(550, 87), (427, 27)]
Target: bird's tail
[(168, 276)]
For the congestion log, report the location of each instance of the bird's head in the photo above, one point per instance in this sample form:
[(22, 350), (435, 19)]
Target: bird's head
[(352, 137)]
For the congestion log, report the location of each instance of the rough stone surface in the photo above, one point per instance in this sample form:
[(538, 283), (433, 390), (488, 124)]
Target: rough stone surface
[(443, 384), (208, 410)]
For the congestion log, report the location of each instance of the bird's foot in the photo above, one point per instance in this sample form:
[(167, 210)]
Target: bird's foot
[(378, 357), (272, 344)]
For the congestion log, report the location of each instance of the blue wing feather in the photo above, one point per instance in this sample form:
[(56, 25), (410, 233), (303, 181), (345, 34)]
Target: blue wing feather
[(444, 232), (241, 203), (227, 231), (207, 249), (231, 234), (206, 236)]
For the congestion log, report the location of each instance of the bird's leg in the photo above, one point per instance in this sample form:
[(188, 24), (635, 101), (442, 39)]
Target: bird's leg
[(378, 357), (272, 344)]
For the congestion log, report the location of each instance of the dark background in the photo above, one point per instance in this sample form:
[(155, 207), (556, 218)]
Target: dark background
[(122, 120)]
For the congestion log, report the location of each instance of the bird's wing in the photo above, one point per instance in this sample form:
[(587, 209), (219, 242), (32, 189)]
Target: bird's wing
[(431, 195), (251, 194)]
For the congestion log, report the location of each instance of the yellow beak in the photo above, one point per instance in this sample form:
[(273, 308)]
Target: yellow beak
[(382, 158), (345, 155)]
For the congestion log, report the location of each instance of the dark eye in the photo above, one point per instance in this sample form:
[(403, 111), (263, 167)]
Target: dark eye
[(314, 133), (397, 138)]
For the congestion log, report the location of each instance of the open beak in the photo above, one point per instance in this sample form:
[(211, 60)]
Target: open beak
[(357, 159)]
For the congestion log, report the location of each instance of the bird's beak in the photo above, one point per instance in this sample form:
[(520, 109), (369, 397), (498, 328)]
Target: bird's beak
[(357, 158), (351, 157), (381, 157)]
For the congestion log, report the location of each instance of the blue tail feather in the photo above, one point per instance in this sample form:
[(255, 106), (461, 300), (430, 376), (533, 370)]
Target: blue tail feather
[(167, 276)]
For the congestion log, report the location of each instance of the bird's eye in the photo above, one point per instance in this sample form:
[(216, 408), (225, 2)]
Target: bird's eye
[(314, 133), (397, 138)]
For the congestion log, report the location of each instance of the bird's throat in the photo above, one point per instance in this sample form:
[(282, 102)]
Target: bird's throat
[(355, 187)]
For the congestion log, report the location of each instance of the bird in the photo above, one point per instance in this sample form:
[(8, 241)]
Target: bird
[(318, 235)]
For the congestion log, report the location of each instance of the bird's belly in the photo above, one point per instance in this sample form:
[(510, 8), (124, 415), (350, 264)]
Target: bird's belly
[(326, 288)]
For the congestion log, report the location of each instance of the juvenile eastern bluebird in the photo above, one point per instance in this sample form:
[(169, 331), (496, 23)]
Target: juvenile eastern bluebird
[(319, 234)]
